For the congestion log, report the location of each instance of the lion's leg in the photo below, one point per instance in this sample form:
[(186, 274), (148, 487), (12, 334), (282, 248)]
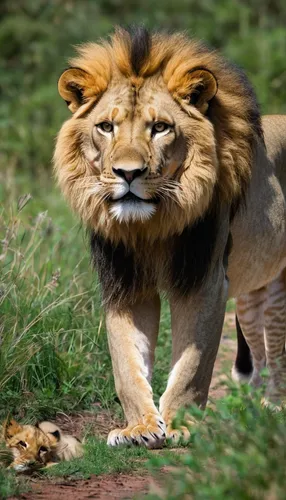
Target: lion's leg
[(250, 313), (196, 327), (275, 334), (132, 336)]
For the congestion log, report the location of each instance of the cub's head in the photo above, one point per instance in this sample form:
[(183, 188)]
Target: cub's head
[(158, 123), (30, 446)]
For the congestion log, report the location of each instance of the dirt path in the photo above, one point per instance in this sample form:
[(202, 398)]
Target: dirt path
[(121, 486), (99, 487)]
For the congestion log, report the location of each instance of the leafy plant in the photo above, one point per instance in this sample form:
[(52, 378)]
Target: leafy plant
[(236, 449)]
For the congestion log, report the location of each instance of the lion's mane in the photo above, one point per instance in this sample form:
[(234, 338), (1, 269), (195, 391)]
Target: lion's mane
[(235, 126)]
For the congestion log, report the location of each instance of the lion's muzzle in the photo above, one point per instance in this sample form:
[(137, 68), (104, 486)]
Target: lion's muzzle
[(128, 175)]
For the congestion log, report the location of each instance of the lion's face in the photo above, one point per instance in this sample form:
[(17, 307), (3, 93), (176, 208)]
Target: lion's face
[(140, 153), (134, 152), (136, 143), (30, 446)]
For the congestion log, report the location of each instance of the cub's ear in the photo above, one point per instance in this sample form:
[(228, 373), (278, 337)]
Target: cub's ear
[(11, 427), (198, 87), (56, 434), (76, 87), (54, 437)]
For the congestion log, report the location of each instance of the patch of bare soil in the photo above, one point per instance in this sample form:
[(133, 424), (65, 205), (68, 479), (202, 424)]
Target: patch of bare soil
[(121, 486), (99, 487), (98, 424)]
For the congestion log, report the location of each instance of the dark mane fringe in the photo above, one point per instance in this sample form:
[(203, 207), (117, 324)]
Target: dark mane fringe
[(121, 275), (193, 253)]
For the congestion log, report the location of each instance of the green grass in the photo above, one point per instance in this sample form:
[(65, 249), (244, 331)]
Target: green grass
[(236, 449), (230, 306), (101, 459), (10, 484)]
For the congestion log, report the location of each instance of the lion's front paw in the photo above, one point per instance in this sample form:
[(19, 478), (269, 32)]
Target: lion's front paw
[(150, 432)]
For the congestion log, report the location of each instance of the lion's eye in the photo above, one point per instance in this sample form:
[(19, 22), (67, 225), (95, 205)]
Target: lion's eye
[(43, 449), (160, 127), (105, 127), (23, 444)]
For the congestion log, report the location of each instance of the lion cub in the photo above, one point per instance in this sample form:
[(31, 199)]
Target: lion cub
[(36, 446)]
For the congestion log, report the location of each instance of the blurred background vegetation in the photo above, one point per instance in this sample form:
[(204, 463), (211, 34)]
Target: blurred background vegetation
[(53, 349), (36, 39)]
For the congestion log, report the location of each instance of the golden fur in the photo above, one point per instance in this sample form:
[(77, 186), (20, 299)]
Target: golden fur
[(38, 446), (216, 150), (164, 142)]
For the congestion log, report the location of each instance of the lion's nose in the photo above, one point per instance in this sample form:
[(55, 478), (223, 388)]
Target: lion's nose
[(129, 175)]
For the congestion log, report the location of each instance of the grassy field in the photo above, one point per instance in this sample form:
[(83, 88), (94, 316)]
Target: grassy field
[(54, 359)]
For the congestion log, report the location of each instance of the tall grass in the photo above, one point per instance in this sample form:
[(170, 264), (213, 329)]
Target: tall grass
[(53, 345)]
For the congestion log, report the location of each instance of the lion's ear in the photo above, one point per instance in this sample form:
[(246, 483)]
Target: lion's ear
[(76, 87), (11, 427), (199, 87)]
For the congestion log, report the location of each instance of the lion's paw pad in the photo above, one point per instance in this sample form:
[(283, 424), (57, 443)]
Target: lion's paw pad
[(150, 432)]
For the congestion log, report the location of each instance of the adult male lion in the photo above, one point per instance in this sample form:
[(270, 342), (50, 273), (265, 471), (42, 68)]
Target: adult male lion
[(164, 160)]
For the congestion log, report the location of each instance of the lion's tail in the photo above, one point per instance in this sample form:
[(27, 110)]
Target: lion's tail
[(243, 366)]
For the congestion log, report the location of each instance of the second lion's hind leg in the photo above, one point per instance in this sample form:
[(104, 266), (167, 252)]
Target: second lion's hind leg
[(275, 334), (250, 313)]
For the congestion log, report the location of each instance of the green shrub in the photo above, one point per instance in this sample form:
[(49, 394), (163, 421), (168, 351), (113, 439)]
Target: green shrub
[(236, 450), (10, 485)]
